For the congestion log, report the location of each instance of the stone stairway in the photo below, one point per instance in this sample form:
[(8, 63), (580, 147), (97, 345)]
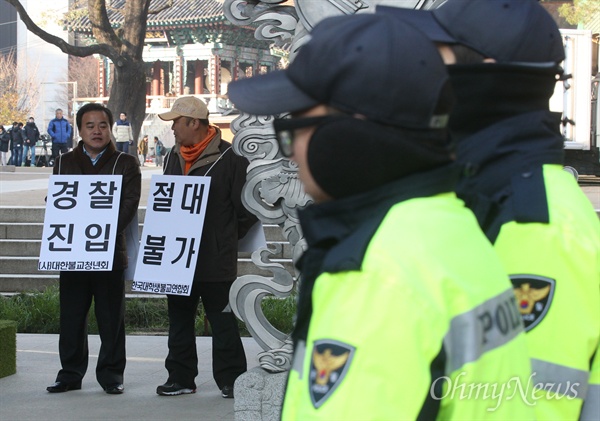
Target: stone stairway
[(20, 241)]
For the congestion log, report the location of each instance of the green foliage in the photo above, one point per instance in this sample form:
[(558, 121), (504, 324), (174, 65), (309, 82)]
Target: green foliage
[(34, 313), (280, 312), (8, 348), (38, 312), (580, 11), (8, 112), (146, 315)]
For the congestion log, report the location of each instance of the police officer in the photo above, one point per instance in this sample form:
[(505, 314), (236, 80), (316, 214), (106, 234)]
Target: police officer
[(504, 58), (402, 298)]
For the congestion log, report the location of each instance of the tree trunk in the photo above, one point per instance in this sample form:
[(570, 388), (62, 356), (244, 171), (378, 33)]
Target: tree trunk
[(128, 90), (128, 94)]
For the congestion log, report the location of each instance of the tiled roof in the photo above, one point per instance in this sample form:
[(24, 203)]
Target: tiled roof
[(182, 13), (593, 24)]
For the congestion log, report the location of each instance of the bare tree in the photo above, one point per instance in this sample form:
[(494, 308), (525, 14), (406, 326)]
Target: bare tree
[(84, 70), (17, 97), (124, 46)]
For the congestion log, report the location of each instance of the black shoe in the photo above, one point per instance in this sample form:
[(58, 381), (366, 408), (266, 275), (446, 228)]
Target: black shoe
[(115, 389), (60, 387), (173, 389), (227, 392)]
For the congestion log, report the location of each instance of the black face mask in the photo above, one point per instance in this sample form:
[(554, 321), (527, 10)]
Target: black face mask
[(487, 93), (349, 156)]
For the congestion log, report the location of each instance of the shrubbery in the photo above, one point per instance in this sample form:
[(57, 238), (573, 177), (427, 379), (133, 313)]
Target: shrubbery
[(38, 312)]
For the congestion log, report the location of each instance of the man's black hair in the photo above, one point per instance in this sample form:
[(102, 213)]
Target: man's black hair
[(93, 107)]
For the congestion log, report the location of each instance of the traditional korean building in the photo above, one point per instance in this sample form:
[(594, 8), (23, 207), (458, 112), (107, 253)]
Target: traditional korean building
[(190, 49)]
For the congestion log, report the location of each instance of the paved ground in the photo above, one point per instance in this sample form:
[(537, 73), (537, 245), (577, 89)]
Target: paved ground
[(23, 395)]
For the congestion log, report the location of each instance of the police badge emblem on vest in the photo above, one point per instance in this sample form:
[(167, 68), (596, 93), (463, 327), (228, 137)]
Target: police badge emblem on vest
[(534, 295), (328, 366)]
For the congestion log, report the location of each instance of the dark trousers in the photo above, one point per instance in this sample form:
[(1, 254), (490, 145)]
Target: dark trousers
[(123, 146), (17, 155), (59, 149), (228, 357), (76, 292)]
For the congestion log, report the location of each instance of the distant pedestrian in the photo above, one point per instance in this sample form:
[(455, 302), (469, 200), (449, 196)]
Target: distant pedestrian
[(31, 135), (18, 135), (122, 132), (59, 130), (143, 149), (159, 152), (4, 141)]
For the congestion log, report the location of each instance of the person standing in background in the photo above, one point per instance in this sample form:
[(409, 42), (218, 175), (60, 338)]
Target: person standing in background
[(159, 152), (4, 141), (143, 149), (11, 133), (18, 137), (31, 137), (59, 130), (122, 132)]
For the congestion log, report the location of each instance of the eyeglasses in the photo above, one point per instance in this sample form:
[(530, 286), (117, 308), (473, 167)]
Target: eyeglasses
[(285, 128)]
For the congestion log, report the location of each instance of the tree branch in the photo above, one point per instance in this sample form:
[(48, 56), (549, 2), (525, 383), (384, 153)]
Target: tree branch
[(101, 27), (165, 7), (64, 46)]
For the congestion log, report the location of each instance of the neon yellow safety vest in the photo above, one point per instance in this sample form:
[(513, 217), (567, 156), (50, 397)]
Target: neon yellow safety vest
[(426, 327), (555, 269)]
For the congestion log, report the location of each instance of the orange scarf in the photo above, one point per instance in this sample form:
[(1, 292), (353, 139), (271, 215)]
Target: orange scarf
[(191, 153)]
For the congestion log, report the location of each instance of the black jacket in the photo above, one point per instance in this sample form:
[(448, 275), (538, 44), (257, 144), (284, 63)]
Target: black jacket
[(4, 139), (31, 134), (227, 219), (77, 162), (504, 134), (16, 137)]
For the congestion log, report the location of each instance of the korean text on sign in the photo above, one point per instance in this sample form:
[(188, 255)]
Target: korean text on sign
[(170, 241), (80, 224)]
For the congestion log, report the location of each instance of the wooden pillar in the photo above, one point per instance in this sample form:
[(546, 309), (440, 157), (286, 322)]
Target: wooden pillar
[(148, 84), (216, 74), (163, 80), (198, 77), (235, 69), (101, 78), (156, 78), (179, 78)]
